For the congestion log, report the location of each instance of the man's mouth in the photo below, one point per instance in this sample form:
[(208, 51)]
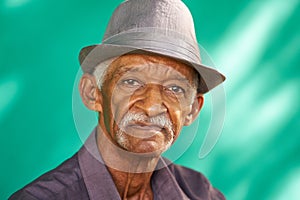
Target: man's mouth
[(143, 130), (145, 126)]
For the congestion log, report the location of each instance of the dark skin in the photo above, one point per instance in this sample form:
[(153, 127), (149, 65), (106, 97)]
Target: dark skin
[(153, 86)]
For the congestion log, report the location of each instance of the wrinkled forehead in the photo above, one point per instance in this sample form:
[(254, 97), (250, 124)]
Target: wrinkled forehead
[(151, 65)]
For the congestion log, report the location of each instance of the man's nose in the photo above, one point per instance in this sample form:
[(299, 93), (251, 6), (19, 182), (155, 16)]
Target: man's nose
[(151, 100)]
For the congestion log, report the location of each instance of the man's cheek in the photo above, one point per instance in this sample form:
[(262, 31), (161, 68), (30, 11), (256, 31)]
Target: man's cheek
[(119, 104), (120, 97), (186, 110), (176, 119)]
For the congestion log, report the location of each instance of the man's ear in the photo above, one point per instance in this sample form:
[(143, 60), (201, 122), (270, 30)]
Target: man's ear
[(90, 94), (196, 107)]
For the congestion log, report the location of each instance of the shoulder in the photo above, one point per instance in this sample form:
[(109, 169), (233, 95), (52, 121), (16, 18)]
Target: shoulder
[(194, 183), (63, 182)]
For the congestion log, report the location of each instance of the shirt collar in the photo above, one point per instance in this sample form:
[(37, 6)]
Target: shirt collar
[(99, 182)]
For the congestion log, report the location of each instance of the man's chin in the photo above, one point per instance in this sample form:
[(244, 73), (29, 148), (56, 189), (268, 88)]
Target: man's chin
[(147, 149)]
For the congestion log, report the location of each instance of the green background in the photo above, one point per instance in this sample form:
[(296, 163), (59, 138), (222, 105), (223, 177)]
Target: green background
[(256, 44)]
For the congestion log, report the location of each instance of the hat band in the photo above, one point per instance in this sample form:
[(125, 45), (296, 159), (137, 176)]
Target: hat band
[(158, 42)]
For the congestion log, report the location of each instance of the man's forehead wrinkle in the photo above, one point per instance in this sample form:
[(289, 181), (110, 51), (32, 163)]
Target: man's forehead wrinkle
[(154, 70), (163, 67), (124, 64)]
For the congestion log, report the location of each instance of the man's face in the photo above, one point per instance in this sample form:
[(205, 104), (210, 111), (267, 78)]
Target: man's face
[(146, 102)]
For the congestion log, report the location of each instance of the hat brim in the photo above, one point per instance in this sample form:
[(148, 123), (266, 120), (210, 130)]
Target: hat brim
[(93, 55)]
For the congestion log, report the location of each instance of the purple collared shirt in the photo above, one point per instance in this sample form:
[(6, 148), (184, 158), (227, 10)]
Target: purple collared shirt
[(84, 176)]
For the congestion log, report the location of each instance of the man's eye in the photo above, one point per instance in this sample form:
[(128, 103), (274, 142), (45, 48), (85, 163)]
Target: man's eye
[(176, 89), (131, 82)]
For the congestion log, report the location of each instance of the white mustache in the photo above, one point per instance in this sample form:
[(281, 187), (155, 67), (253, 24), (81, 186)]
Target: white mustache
[(160, 120)]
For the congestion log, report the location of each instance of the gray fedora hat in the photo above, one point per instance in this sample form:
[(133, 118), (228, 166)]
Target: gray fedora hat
[(163, 27)]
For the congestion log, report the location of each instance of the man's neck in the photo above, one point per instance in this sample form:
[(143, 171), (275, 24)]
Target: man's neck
[(132, 185), (131, 172)]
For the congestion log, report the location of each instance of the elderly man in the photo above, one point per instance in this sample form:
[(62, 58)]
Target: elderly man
[(146, 82)]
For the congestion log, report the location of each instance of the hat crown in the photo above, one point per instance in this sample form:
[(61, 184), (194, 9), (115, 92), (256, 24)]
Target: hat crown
[(164, 14), (167, 16)]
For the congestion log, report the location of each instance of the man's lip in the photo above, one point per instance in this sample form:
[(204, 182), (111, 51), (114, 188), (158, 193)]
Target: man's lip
[(143, 131), (145, 127)]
